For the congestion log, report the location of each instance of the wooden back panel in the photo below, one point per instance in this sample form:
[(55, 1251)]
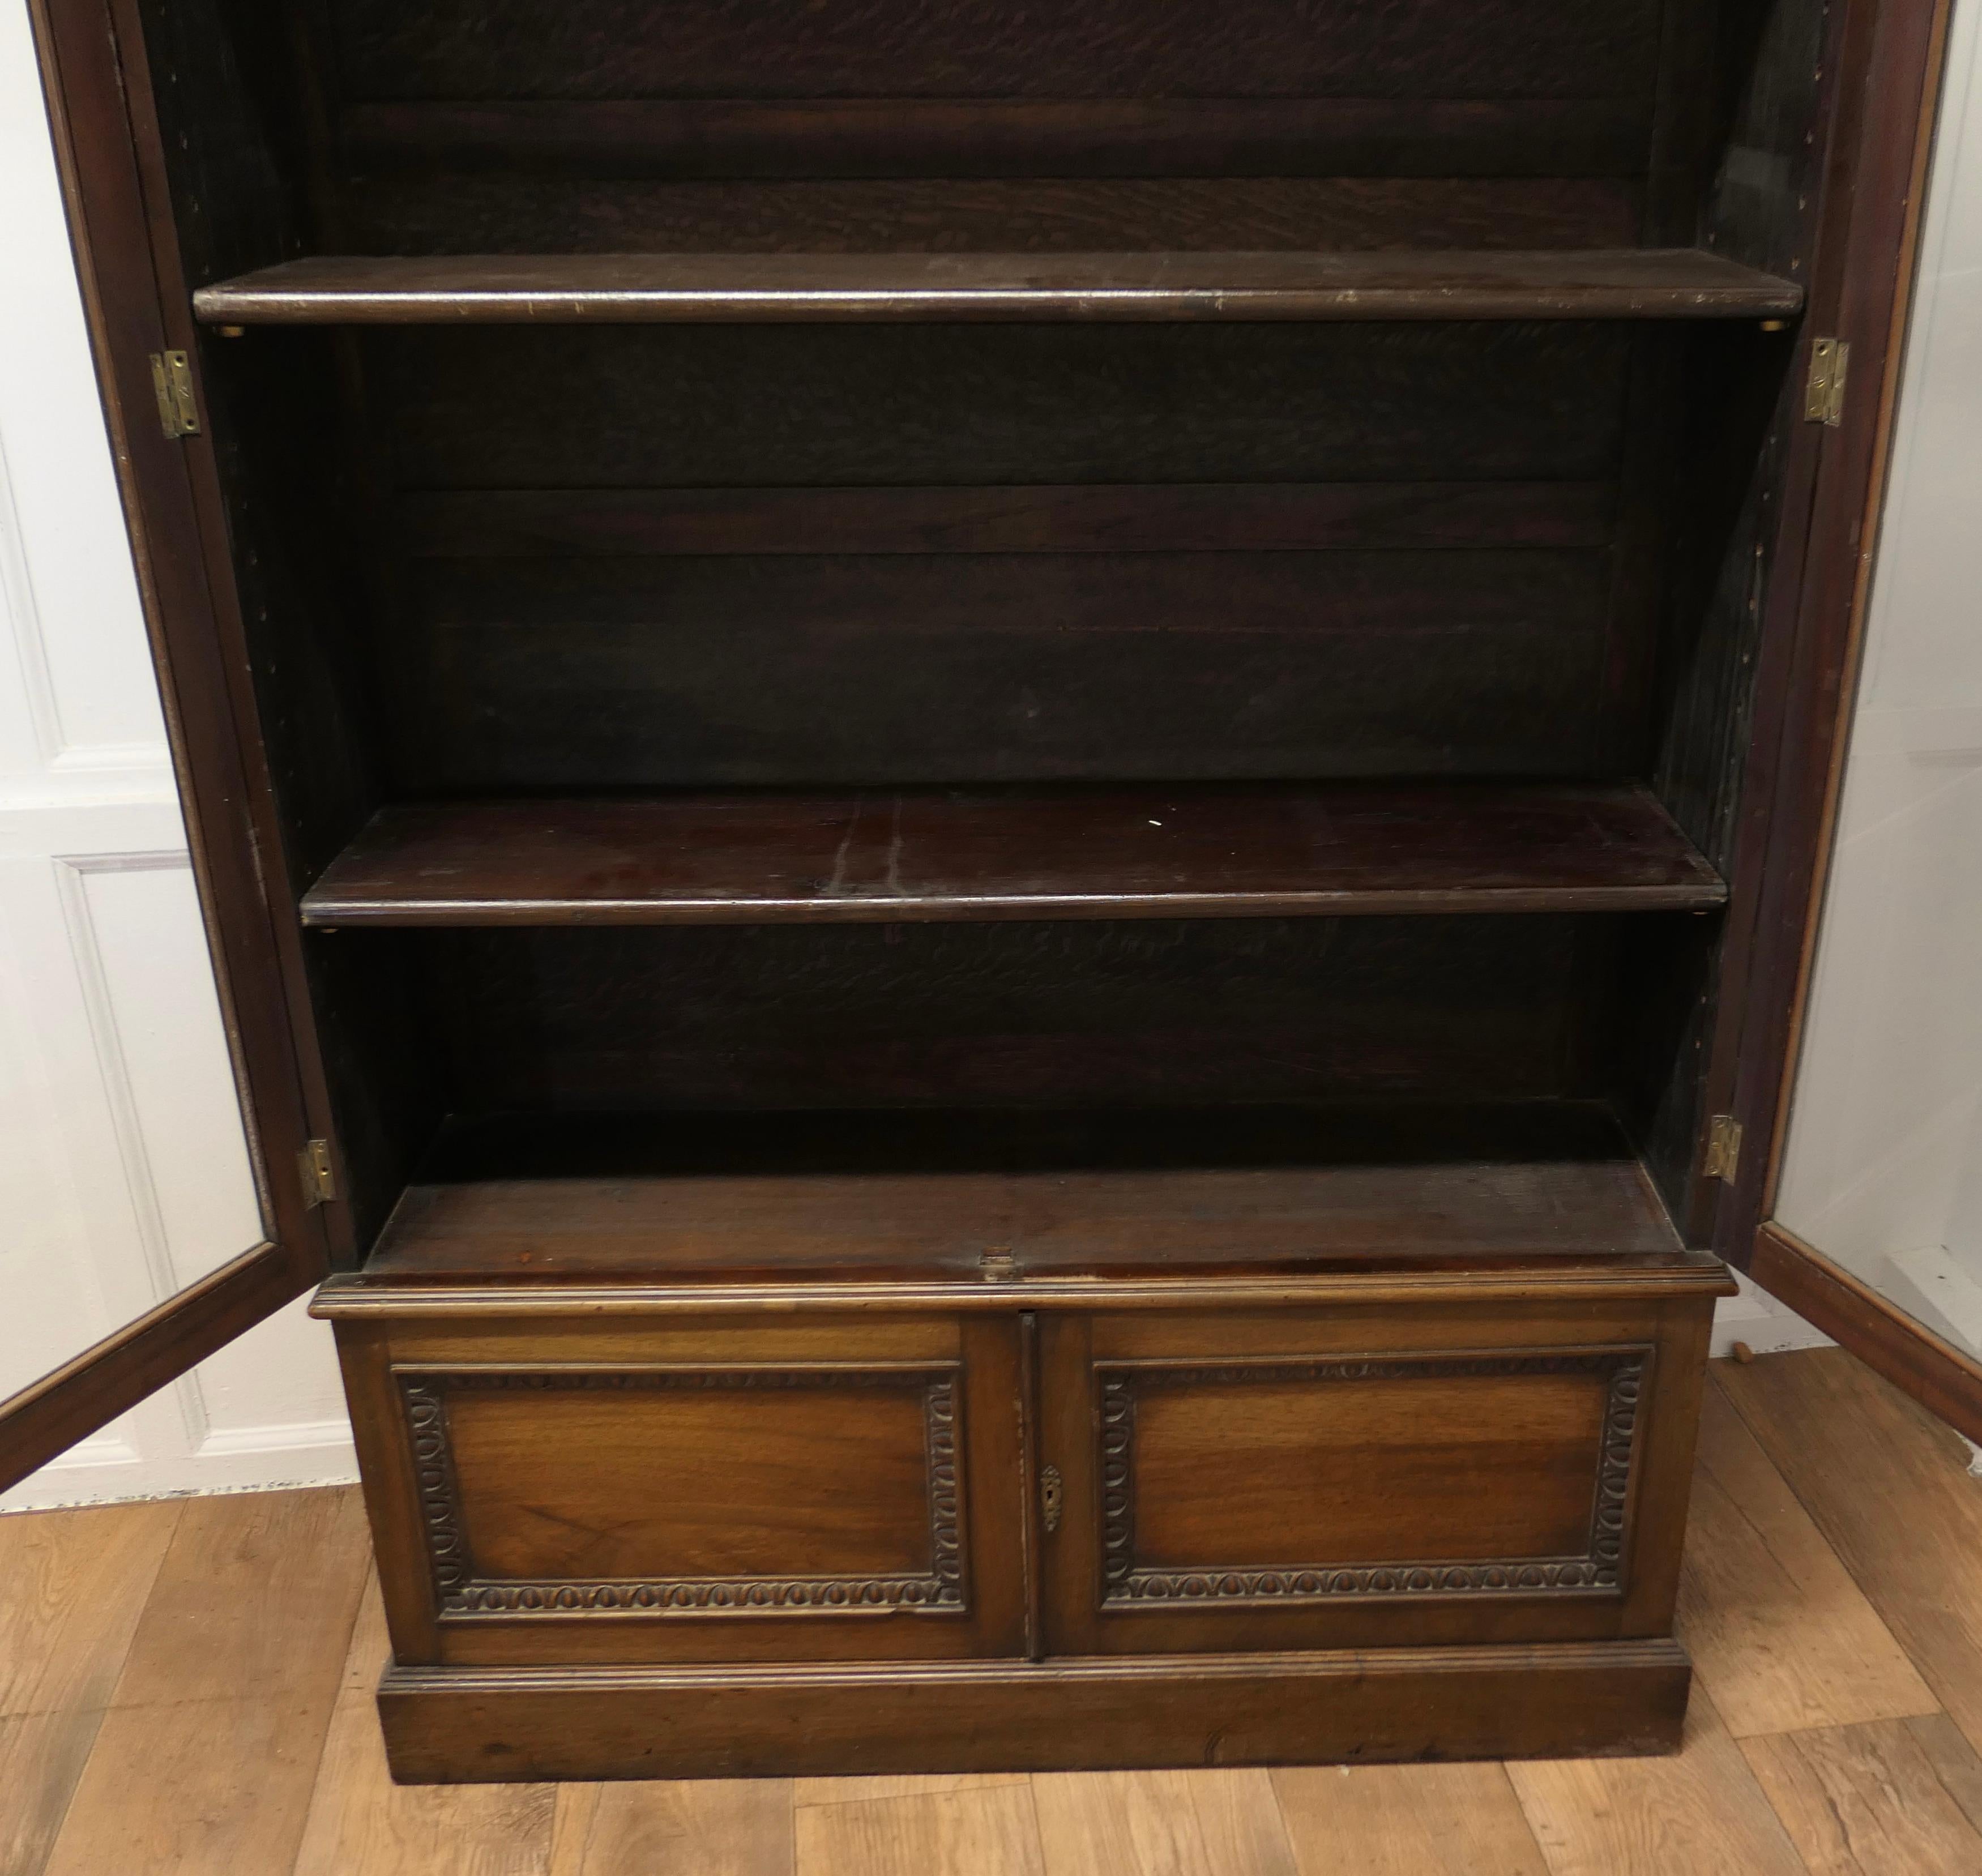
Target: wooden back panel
[(990, 1016), (472, 127), (991, 48), (640, 556)]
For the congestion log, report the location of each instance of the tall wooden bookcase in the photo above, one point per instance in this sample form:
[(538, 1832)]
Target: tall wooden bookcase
[(1008, 815)]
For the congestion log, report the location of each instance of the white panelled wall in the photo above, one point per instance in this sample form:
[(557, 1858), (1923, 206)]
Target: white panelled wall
[(123, 1172), (1883, 1170)]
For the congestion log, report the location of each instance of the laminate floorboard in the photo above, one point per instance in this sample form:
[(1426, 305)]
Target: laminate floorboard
[(360, 1820), (1780, 1636), (1888, 1486), (1407, 1821), (1128, 1823), (1858, 1801), (1956, 1763), (735, 1826), (72, 1588), (186, 1687), (1239, 1816), (1699, 1809), (862, 1791), (979, 1831), (207, 1757)]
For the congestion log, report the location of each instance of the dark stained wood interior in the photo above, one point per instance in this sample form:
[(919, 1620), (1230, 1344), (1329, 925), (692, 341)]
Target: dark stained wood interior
[(524, 524), (741, 859), (1027, 1013), (418, 212), (1241, 48), (928, 1195), (571, 288), (874, 476), (727, 139)]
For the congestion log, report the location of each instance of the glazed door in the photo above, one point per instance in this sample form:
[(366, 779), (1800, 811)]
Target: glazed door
[(1234, 1481), (218, 1255), (1869, 1193)]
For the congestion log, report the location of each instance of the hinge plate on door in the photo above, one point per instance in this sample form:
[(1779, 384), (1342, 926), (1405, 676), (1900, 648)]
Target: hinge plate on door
[(1823, 391), (172, 378), (313, 1163), (1723, 1147)]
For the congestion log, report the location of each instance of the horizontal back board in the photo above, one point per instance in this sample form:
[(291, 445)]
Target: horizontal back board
[(643, 557), (533, 674), (1156, 1012), (865, 48), (422, 211), (725, 406)]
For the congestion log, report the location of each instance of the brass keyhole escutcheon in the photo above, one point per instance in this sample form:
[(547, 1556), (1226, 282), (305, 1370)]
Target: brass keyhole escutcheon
[(1052, 1496)]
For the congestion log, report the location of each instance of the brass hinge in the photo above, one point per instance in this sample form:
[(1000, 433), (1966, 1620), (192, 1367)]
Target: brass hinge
[(1052, 1497), (172, 378), (1723, 1147), (313, 1163), (1823, 394)]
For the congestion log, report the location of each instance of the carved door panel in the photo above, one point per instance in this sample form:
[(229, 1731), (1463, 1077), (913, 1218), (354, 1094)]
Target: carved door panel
[(1232, 1482), (548, 1491)]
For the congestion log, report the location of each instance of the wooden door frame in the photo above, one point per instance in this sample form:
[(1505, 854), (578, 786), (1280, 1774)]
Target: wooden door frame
[(1861, 290), (97, 90)]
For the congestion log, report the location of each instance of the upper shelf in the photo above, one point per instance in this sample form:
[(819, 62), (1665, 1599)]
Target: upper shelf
[(1155, 851), (1604, 283)]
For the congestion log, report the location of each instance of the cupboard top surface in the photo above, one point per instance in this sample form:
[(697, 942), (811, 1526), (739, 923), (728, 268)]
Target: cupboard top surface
[(976, 1197)]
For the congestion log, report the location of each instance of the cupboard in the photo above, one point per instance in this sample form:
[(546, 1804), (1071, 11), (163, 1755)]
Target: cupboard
[(1009, 820)]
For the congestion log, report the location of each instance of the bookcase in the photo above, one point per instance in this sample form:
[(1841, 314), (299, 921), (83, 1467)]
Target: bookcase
[(991, 797)]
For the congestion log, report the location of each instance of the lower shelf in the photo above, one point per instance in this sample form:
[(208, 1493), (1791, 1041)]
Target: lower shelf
[(1567, 1701), (933, 1196)]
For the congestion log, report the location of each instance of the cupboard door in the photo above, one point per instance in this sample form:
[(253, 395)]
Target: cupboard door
[(1239, 1482), (838, 1491)]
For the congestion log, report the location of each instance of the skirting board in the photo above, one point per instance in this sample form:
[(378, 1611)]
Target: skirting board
[(108, 1470), (1572, 1700), (1759, 1320), (1945, 1380)]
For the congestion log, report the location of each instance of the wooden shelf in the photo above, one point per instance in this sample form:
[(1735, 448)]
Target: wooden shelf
[(1155, 851), (1618, 283), (920, 1194)]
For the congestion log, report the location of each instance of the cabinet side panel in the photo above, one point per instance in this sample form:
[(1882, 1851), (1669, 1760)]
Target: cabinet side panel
[(1747, 496), (235, 114)]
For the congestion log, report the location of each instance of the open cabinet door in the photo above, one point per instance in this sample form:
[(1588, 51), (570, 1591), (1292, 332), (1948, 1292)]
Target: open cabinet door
[(1849, 1181), (127, 258)]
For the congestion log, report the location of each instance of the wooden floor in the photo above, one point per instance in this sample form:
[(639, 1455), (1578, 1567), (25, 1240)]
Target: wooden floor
[(186, 1687)]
